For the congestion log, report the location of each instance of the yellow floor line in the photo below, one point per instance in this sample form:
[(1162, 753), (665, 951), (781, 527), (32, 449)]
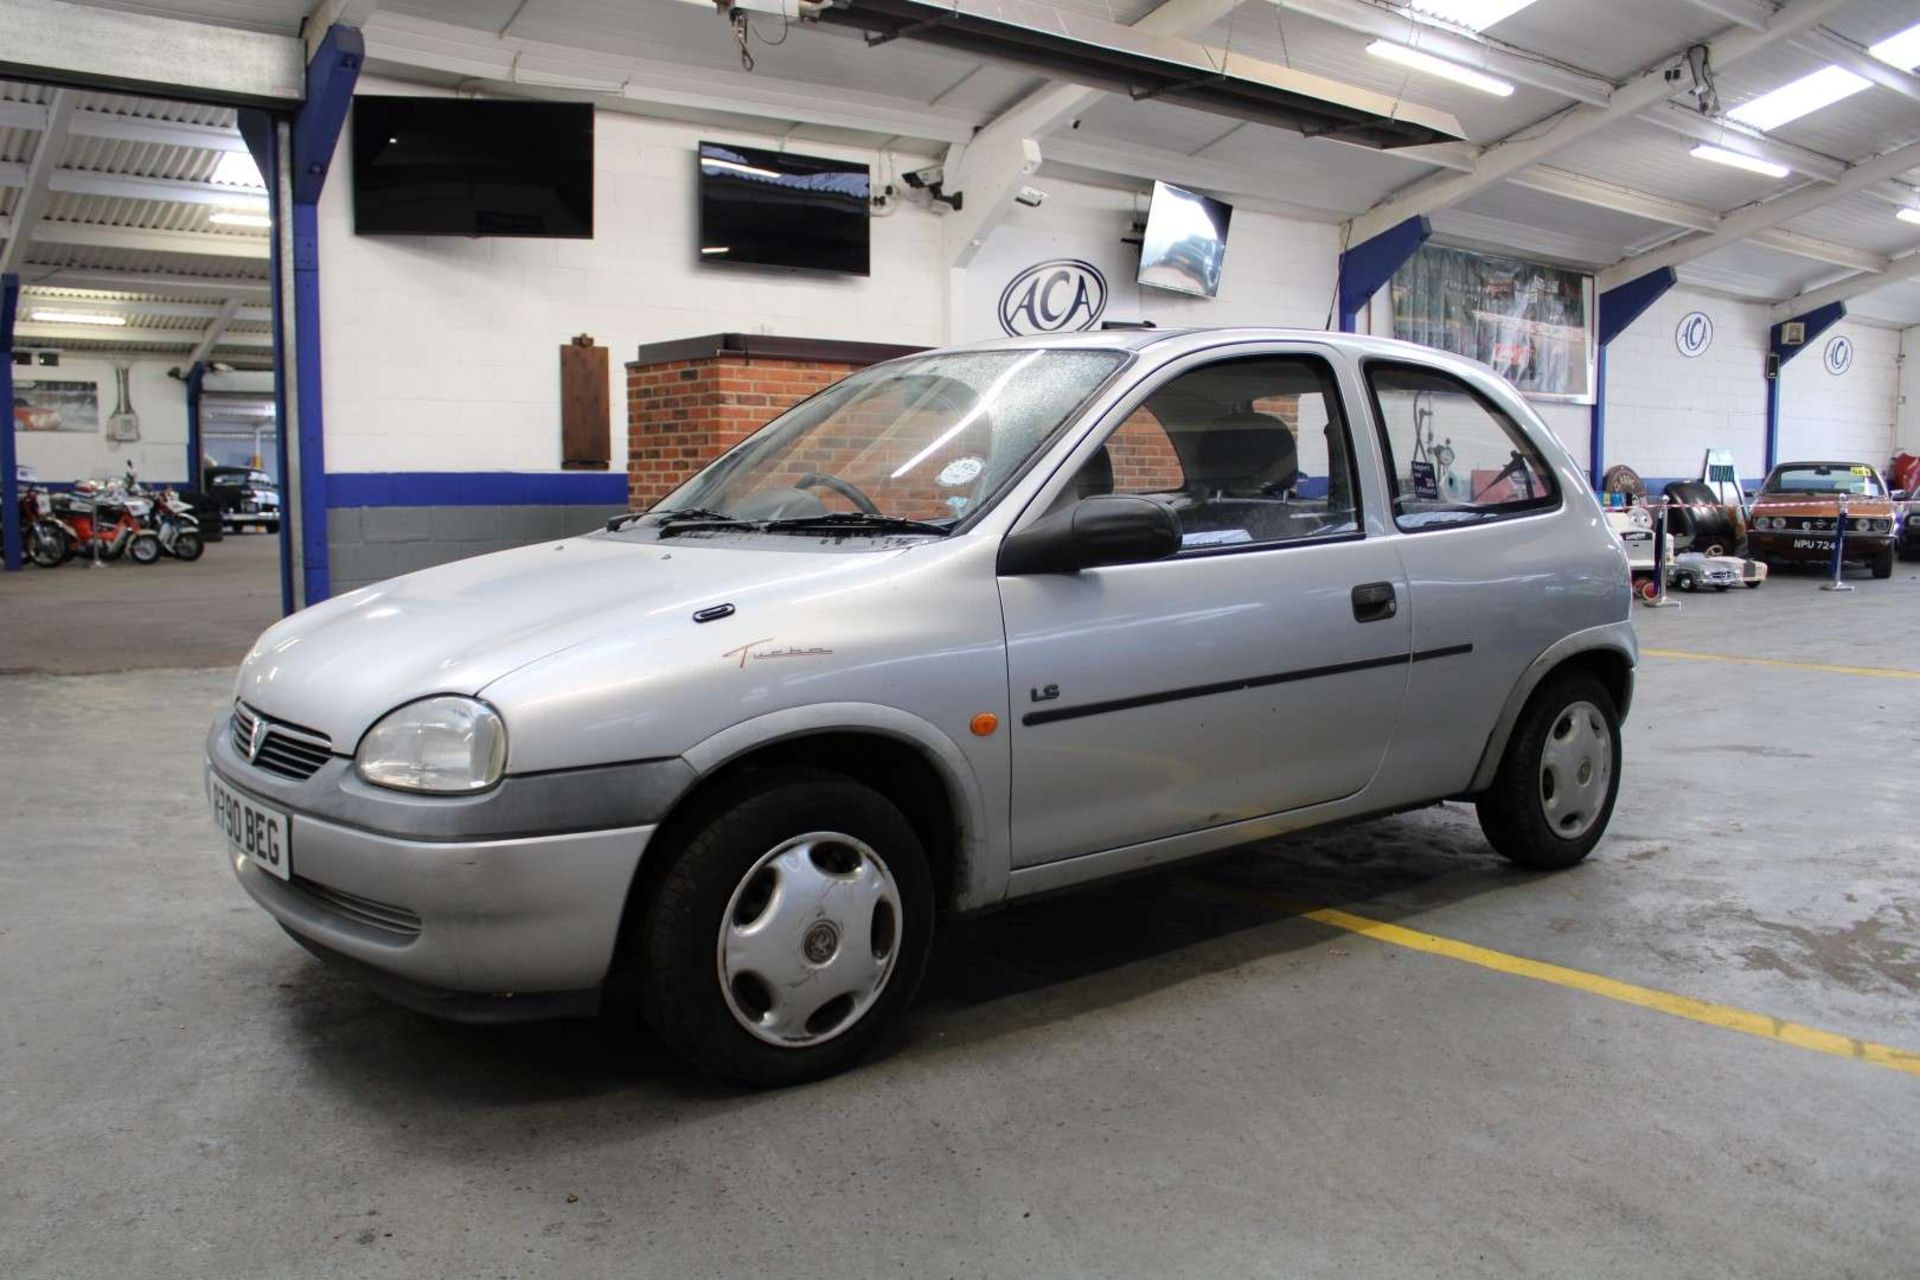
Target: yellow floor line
[(1713, 1015), (1887, 673)]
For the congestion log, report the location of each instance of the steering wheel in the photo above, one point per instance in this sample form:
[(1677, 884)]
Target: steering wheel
[(845, 488)]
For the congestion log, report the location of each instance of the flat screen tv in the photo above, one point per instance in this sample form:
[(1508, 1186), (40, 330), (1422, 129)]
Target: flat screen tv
[(464, 167), (777, 209), (1186, 241)]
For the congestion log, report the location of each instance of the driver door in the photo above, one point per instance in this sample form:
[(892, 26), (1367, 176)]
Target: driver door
[(1260, 669)]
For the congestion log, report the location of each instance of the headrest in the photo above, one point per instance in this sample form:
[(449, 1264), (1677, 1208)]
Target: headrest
[(1247, 446)]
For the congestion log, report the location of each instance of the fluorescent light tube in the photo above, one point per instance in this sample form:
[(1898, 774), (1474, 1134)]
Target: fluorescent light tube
[(1734, 159), (1421, 61), (240, 219), (77, 317), (1798, 98)]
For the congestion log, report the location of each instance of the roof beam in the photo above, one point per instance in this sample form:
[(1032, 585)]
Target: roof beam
[(1471, 50), (1542, 138), (41, 276), (1678, 118), (1761, 217), (347, 13), (107, 124), (1843, 52), (216, 329), (34, 192), (1752, 14), (87, 182), (132, 336), (193, 242), (1236, 182), (83, 44), (50, 297), (1906, 267)]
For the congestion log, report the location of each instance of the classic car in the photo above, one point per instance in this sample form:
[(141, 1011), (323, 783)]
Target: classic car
[(245, 497), (28, 416), (966, 627), (1697, 571), (1796, 509)]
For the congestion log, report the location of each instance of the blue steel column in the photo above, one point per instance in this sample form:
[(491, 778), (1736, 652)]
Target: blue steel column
[(1367, 266), (316, 132), (1614, 310), (196, 379), (1818, 321), (9, 456)]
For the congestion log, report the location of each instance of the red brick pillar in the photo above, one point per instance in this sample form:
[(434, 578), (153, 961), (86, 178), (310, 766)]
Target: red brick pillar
[(690, 401)]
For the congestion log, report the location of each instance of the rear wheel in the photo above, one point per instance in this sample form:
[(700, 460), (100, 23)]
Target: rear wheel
[(1554, 792), (1883, 563), (789, 930), (145, 548), (47, 544)]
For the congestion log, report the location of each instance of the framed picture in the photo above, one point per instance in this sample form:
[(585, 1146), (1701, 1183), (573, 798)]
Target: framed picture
[(1532, 323), (43, 405)]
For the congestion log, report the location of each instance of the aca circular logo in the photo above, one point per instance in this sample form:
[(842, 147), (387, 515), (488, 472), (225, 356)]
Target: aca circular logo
[(1694, 334), (1060, 295), (1838, 356)]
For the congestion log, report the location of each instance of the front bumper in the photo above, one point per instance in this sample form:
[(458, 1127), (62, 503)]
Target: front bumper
[(445, 920), (1814, 547)]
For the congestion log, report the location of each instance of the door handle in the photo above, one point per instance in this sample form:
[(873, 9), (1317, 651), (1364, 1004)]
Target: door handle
[(1374, 602)]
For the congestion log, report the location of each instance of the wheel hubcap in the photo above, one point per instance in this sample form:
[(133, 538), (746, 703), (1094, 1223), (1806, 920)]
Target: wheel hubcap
[(1576, 769), (809, 939)]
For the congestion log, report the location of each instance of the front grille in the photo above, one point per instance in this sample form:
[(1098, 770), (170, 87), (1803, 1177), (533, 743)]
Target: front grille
[(383, 916), (284, 750)]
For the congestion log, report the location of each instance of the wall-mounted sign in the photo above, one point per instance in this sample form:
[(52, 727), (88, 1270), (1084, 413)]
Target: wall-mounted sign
[(1838, 357), (1532, 322), (1060, 295), (1694, 334)]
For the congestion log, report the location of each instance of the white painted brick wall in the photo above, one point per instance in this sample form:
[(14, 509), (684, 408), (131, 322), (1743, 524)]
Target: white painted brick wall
[(160, 455), (1907, 428), (1849, 417)]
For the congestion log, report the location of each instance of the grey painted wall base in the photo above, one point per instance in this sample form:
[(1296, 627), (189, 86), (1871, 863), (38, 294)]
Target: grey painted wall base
[(368, 544)]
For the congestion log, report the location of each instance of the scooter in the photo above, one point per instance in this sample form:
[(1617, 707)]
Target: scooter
[(171, 521), (106, 522)]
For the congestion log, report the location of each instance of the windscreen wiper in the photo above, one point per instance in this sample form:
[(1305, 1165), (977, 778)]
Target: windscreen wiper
[(680, 520), (854, 522)]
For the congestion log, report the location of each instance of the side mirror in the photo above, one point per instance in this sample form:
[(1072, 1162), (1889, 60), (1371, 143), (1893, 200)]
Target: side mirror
[(1110, 529)]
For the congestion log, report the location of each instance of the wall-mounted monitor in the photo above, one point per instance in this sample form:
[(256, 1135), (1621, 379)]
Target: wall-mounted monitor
[(465, 167), (1186, 241), (777, 209)]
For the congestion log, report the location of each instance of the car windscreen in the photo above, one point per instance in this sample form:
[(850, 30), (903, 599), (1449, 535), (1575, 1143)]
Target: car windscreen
[(931, 438), (1825, 478)]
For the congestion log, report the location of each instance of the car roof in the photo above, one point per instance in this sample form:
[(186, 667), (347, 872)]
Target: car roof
[(1131, 339)]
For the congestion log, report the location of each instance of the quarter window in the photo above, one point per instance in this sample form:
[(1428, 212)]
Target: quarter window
[(1246, 452), (1453, 457)]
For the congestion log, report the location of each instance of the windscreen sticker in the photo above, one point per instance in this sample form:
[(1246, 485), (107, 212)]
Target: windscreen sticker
[(1426, 484), (961, 471)]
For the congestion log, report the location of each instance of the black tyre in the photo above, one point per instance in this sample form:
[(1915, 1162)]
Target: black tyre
[(47, 544), (788, 931), (145, 548), (1883, 563), (1553, 795), (273, 526), (187, 544), (1684, 581)]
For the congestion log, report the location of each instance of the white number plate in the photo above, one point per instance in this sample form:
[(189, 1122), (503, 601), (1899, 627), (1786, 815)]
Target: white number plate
[(251, 828)]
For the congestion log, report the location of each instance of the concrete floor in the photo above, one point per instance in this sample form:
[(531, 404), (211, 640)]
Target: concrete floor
[(1168, 1077), (121, 616)]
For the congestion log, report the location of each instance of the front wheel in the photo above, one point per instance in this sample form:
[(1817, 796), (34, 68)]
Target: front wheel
[(1554, 792), (145, 548), (47, 545), (789, 930), (187, 545), (1883, 563)]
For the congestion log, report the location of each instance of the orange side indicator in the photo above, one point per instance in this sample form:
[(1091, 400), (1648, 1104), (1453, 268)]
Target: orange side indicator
[(984, 724)]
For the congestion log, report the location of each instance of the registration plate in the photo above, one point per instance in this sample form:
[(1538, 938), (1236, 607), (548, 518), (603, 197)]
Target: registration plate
[(251, 828), (1812, 544)]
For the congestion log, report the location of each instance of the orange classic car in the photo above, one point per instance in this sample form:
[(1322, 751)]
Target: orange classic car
[(1793, 516)]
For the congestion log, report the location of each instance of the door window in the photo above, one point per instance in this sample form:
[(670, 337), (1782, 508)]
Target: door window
[(1453, 457), (1250, 451)]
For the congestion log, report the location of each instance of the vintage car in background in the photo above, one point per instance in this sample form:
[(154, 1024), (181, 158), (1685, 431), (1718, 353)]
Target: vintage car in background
[(1697, 571), (246, 498), (1795, 512), (28, 416), (1907, 527)]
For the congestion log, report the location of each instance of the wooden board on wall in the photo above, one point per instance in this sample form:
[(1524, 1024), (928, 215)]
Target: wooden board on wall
[(584, 421)]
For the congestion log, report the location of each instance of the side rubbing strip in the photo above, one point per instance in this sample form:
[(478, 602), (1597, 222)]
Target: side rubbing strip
[(1054, 714)]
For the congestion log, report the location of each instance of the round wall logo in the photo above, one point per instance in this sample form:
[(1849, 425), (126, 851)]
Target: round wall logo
[(1838, 357), (1694, 334), (1060, 295)]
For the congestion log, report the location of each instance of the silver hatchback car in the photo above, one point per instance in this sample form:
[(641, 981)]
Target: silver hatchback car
[(968, 626)]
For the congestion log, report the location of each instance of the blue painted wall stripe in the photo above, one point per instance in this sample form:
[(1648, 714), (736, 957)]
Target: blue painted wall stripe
[(477, 488)]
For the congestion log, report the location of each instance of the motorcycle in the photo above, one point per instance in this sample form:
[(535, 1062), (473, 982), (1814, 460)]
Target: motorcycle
[(171, 520), (47, 541), (107, 522)]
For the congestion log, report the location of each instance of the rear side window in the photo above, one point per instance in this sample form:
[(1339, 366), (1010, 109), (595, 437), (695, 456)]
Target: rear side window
[(1453, 457)]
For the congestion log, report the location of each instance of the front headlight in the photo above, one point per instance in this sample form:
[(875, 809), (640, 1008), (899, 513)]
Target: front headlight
[(445, 744)]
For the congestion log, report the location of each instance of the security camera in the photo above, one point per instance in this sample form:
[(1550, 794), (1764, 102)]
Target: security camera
[(921, 179), (1032, 197)]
